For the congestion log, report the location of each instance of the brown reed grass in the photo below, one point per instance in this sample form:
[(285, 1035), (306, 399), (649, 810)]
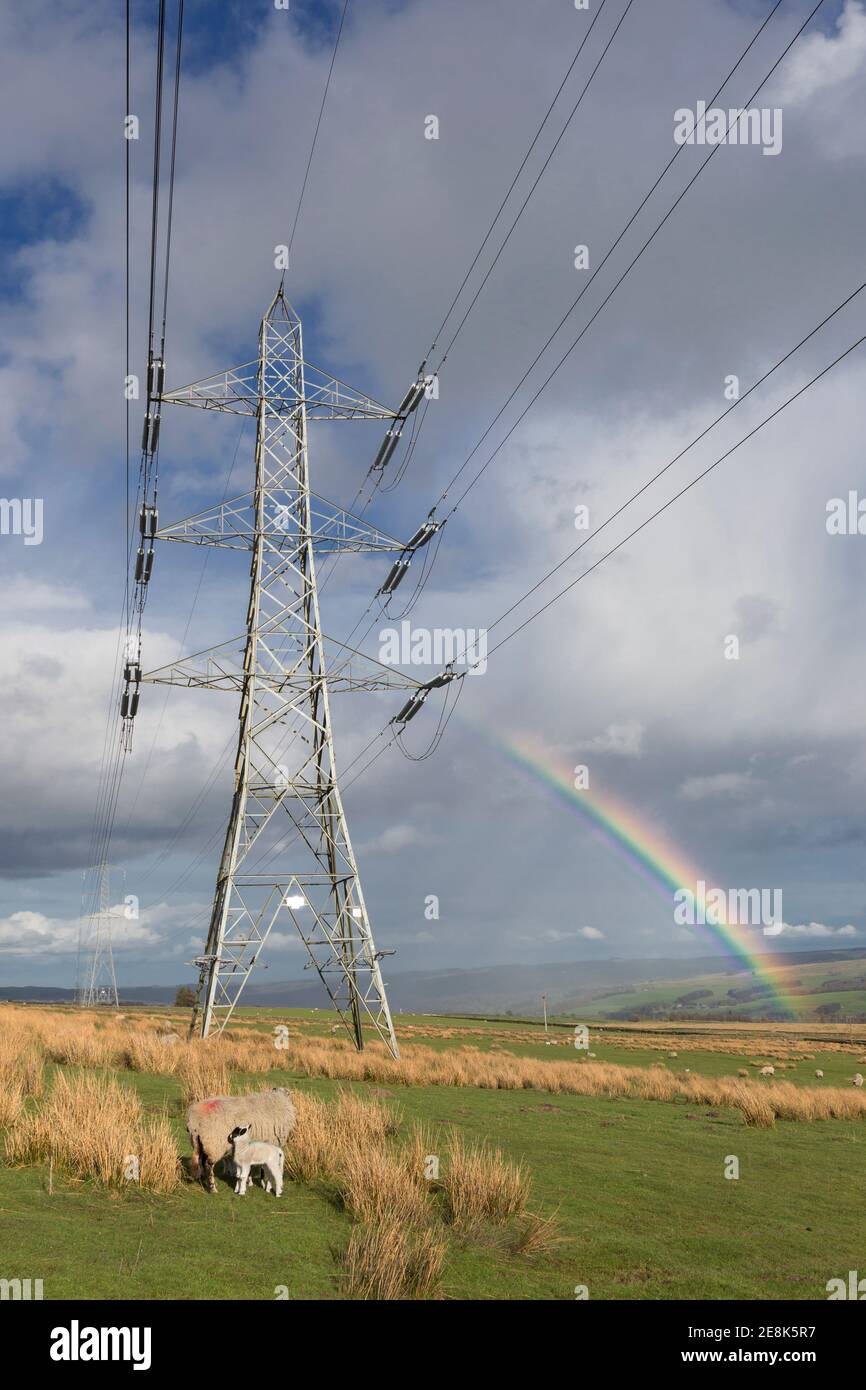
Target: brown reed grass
[(134, 1044), (479, 1184), (93, 1127), (385, 1261)]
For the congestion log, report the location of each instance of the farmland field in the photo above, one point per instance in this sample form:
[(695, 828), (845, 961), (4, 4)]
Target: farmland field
[(621, 1158)]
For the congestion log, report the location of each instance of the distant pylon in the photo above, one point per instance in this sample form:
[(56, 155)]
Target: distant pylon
[(99, 985), (284, 670)]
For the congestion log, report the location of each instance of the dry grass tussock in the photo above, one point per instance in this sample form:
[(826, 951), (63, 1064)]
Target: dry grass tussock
[(93, 1127), (327, 1135), (386, 1260), (479, 1185), (22, 1072)]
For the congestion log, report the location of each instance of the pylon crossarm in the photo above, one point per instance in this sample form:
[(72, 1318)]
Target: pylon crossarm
[(233, 525), (222, 668), (236, 391)]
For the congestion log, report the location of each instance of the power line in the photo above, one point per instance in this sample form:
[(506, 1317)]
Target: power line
[(157, 149), (610, 250), (416, 432), (681, 492), (189, 619), (523, 206), (520, 169), (178, 48), (113, 765), (625, 229), (637, 529), (697, 439), (621, 278), (316, 132)]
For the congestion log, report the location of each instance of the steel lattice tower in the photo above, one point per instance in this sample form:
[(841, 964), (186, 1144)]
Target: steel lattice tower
[(285, 670), (100, 983)]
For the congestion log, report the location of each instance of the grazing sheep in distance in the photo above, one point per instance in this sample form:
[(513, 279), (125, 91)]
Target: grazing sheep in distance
[(820, 1074), (857, 1079), (252, 1153), (768, 1071), (742, 1072), (271, 1116), (672, 1054)]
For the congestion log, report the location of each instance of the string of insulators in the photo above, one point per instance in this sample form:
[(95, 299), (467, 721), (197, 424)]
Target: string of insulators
[(416, 701), (129, 699), (417, 542), (148, 517), (409, 403), (148, 525)]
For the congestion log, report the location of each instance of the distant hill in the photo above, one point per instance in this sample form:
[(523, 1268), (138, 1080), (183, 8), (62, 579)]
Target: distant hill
[(599, 987)]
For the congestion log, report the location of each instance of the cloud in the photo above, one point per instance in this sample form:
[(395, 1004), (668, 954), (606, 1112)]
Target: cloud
[(731, 784), (811, 929), (555, 934), (392, 839), (822, 63), (623, 740), (29, 933), (755, 616), (284, 941), (22, 595)]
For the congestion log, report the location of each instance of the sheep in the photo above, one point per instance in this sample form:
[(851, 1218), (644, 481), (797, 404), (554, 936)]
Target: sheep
[(672, 1054), (768, 1071), (251, 1153), (857, 1079), (271, 1116), (819, 1074), (742, 1072)]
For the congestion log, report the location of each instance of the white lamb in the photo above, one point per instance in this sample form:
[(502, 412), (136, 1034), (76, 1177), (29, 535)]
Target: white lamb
[(820, 1074), (254, 1153), (857, 1079), (768, 1071)]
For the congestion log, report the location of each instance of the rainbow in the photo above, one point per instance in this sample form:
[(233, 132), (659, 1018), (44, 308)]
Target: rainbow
[(643, 848)]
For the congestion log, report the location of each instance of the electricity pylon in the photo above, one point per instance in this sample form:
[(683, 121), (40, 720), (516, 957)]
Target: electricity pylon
[(284, 670), (100, 983)]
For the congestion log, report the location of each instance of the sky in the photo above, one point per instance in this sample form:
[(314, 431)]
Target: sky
[(750, 769)]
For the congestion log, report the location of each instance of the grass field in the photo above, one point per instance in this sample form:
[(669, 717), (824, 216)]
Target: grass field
[(636, 1187)]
